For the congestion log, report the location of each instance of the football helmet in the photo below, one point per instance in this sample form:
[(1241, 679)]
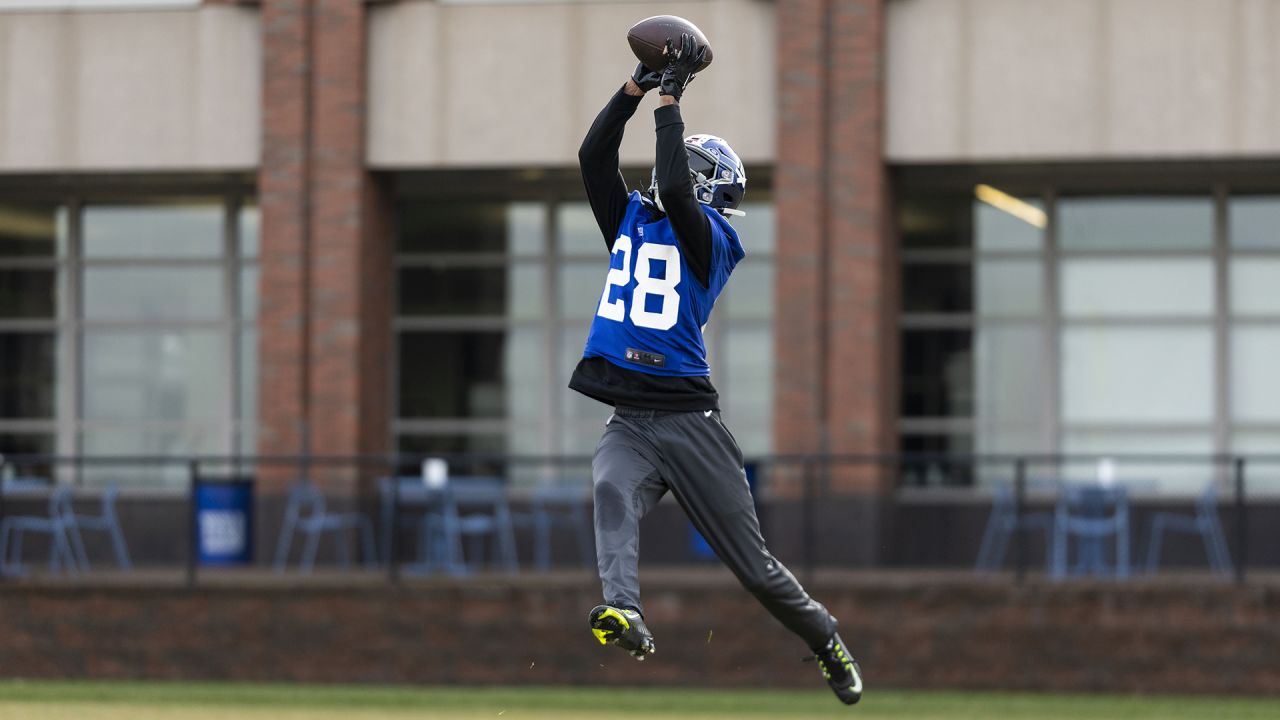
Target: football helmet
[(719, 180)]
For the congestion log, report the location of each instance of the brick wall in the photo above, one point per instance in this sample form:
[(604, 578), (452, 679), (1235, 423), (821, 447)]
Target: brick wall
[(909, 631), (835, 380), (326, 307)]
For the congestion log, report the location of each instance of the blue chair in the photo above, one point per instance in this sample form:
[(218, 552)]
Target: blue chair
[(474, 508), (106, 522), (1091, 513), (552, 506), (56, 525), (418, 508), (1204, 523), (305, 513), (1003, 522)]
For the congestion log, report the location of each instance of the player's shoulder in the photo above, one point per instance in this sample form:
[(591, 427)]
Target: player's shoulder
[(723, 233)]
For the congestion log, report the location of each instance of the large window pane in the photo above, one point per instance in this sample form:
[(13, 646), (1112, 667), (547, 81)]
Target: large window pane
[(452, 374), (577, 231), (28, 368), (150, 231), (1010, 287), (32, 230), (749, 293), (151, 293), (1255, 286), (1255, 222), (1255, 373), (249, 289), (477, 443), (937, 373), (937, 288), (250, 230), (936, 221), (1183, 468), (29, 293), (525, 372), (581, 283), (1135, 223), (925, 468), (176, 442), (1000, 229), (472, 227), (154, 374), (248, 441), (1012, 383), (747, 386), (1128, 287), (514, 290), (1137, 374), (756, 228)]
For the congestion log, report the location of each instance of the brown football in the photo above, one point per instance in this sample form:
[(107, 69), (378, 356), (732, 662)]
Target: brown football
[(648, 39)]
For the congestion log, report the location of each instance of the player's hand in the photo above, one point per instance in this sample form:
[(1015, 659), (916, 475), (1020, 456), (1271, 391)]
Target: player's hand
[(682, 63), (646, 79)]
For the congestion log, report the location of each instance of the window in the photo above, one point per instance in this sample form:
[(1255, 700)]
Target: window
[(126, 329), (1088, 324), (494, 302), (973, 291)]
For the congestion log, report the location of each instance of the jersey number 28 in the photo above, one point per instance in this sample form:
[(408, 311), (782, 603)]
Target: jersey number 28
[(646, 285)]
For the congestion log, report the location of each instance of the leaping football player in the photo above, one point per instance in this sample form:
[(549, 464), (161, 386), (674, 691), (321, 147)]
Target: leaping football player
[(672, 251)]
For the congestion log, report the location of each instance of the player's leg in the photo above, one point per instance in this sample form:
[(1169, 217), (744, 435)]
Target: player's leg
[(703, 467), (626, 486)]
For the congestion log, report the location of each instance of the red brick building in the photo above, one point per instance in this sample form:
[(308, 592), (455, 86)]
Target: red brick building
[(340, 227)]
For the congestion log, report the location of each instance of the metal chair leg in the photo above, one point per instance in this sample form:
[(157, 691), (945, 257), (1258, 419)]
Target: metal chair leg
[(344, 555), (370, 548), (1153, 545), (284, 542), (310, 551), (118, 545)]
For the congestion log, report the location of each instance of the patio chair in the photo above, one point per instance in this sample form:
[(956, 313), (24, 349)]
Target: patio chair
[(1091, 514), (1003, 522), (305, 513), (557, 506), (56, 525), (106, 522), (475, 508), (1204, 523)]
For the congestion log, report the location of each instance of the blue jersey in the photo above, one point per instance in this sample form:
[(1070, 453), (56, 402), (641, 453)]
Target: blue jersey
[(652, 310)]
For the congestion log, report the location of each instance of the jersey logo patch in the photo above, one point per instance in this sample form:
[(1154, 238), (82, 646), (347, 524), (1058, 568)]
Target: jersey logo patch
[(646, 358)]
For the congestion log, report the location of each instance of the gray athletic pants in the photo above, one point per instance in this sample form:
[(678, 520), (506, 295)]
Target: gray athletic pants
[(645, 453)]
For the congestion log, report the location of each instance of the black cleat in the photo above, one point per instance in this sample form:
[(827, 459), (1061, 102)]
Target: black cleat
[(623, 627), (841, 670)]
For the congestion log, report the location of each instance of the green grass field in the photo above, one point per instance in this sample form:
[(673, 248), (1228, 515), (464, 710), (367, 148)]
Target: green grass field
[(186, 701)]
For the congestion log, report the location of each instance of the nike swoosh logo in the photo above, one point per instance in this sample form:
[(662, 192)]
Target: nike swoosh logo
[(707, 413)]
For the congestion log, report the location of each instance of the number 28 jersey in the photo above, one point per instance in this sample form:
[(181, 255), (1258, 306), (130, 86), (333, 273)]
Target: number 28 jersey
[(652, 310)]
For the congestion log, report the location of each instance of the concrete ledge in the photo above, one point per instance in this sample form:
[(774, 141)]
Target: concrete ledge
[(920, 630)]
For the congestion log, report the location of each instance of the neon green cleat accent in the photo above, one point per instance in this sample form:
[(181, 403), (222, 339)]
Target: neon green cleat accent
[(623, 627)]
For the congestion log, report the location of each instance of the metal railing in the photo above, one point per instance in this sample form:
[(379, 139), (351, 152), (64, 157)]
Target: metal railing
[(806, 486)]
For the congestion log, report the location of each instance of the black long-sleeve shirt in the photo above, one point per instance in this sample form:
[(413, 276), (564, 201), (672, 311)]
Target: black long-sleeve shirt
[(607, 193)]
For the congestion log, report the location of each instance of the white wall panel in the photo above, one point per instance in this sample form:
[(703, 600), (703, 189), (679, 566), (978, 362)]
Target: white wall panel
[(154, 90), (518, 84), (992, 80)]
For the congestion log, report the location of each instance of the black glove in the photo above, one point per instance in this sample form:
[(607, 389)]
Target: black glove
[(645, 78), (681, 65)]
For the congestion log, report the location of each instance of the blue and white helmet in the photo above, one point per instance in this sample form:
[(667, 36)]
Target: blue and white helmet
[(719, 179)]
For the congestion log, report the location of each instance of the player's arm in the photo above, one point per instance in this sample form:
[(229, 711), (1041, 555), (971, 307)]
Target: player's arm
[(598, 155), (675, 184)]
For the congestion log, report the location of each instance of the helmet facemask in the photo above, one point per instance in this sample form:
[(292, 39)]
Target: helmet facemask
[(718, 179)]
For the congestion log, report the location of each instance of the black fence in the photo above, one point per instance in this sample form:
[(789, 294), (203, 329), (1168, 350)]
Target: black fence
[(407, 515)]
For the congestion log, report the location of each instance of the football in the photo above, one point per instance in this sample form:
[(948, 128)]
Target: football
[(648, 39)]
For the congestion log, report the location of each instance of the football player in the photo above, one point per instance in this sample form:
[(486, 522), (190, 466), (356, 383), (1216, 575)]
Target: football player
[(671, 252)]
